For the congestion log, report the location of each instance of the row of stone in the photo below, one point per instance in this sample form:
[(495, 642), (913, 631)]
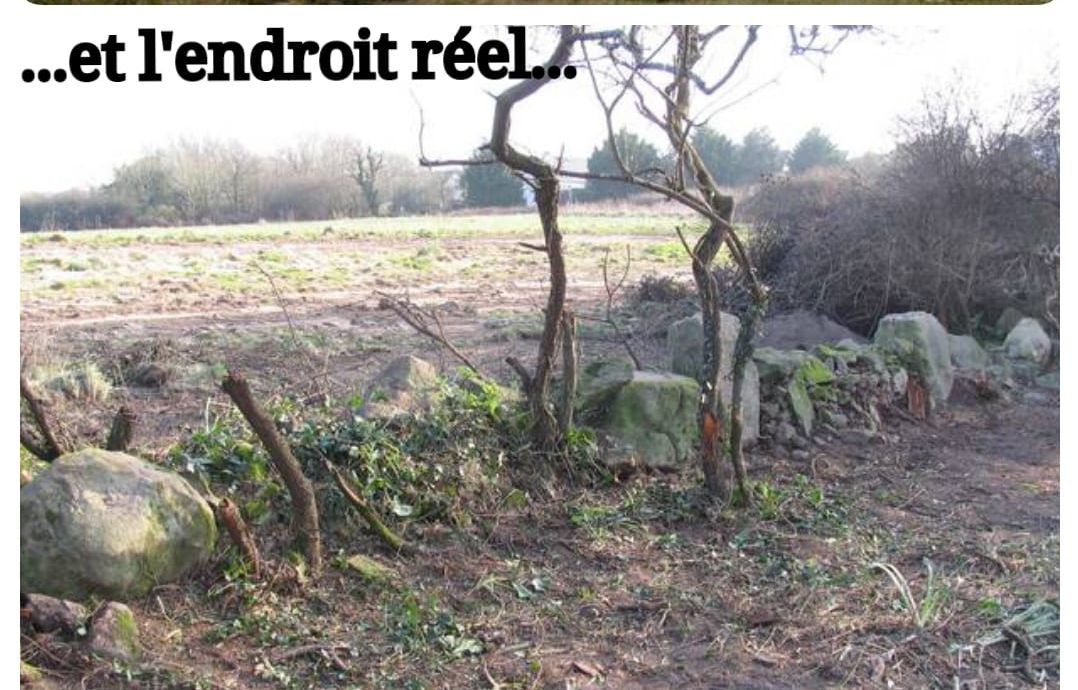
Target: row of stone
[(649, 418)]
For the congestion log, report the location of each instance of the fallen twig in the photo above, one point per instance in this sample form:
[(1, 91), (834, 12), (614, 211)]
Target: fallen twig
[(391, 538)]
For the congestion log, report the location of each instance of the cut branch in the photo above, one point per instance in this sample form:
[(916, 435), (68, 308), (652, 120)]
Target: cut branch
[(570, 358), (304, 505), (239, 533), (51, 447), (388, 536)]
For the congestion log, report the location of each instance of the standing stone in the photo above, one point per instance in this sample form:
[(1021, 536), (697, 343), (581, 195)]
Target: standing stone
[(966, 353), (685, 342), (407, 384), (108, 524), (1008, 320), (1028, 341), (922, 345), (651, 421)]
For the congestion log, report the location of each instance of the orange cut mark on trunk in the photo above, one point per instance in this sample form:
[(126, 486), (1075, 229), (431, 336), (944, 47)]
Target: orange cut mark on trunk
[(712, 434), (916, 398)]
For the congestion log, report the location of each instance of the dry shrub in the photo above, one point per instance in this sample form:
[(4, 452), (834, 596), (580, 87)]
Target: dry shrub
[(961, 220), (81, 381), (661, 290)]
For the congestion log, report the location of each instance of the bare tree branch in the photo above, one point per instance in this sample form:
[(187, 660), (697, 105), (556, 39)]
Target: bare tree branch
[(426, 322)]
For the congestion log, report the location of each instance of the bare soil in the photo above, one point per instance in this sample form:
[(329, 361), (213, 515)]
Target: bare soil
[(641, 584)]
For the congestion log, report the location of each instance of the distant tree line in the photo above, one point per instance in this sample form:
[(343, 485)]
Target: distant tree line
[(734, 164), (215, 182), (205, 182)]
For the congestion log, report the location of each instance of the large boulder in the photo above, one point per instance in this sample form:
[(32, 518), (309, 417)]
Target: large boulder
[(600, 381), (966, 353), (685, 342), (922, 345), (802, 330), (98, 523), (407, 384), (649, 421), (1028, 341)]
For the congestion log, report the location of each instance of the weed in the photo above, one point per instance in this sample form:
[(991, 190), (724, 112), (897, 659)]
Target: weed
[(928, 610), (414, 623), (80, 381)]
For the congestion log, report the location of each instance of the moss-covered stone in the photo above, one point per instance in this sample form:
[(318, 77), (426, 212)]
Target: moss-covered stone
[(967, 353), (109, 524), (407, 384), (600, 382), (923, 347), (370, 570), (114, 633), (1028, 341), (651, 422)]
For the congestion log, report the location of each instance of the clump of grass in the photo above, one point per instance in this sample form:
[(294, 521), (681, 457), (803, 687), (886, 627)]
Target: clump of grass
[(1039, 621), (925, 612), (81, 381)]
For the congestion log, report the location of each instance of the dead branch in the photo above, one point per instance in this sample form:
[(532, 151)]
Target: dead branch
[(31, 443), (612, 292), (426, 322), (322, 373), (304, 505), (388, 536), (50, 446), (570, 358), (239, 532), (122, 430)]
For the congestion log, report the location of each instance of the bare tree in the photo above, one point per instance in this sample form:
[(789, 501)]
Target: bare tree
[(366, 170), (658, 70), (542, 176)]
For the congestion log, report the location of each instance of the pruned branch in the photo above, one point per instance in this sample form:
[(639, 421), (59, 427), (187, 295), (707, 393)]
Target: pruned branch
[(122, 430), (388, 536), (304, 506), (50, 447), (570, 359), (239, 533)]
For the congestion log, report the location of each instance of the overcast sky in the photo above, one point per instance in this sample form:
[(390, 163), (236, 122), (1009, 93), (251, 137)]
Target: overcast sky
[(73, 135)]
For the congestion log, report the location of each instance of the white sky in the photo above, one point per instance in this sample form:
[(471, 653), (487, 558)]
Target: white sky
[(75, 134)]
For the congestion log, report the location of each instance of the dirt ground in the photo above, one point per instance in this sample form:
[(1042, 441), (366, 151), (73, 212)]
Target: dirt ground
[(641, 584)]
